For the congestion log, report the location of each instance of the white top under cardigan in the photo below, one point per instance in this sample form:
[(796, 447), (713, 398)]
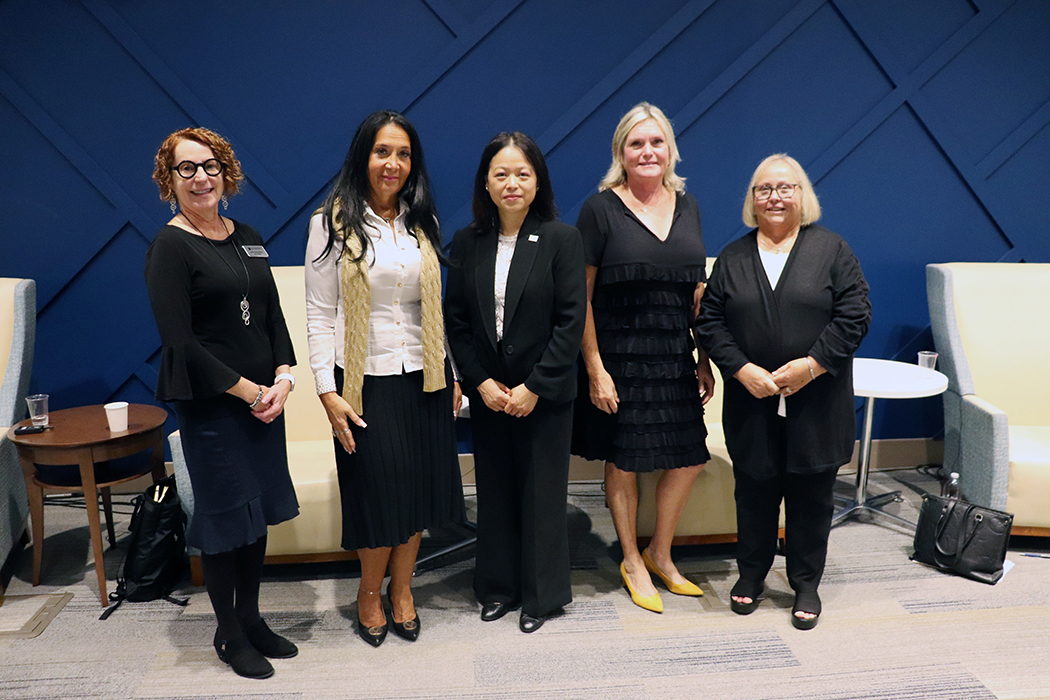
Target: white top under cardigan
[(774, 264), (395, 324)]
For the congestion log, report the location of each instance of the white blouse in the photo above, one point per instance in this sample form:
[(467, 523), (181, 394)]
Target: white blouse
[(395, 327), (504, 256)]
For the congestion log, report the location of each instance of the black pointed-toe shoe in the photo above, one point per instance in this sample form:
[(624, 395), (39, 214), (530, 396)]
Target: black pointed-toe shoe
[(409, 629), (373, 635), (527, 623)]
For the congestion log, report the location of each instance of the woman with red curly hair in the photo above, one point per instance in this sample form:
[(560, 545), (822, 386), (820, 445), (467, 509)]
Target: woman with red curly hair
[(225, 367)]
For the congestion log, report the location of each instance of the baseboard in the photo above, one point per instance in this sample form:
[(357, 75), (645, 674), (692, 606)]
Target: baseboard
[(903, 453)]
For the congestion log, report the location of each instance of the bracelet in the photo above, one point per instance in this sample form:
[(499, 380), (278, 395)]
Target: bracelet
[(289, 377), (258, 398), (810, 365)]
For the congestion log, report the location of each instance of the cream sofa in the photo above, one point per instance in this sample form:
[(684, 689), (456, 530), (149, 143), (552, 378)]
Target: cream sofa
[(991, 329), (710, 513), (316, 534)]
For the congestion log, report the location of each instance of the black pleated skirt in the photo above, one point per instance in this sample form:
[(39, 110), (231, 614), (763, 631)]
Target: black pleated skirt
[(238, 469), (403, 476)]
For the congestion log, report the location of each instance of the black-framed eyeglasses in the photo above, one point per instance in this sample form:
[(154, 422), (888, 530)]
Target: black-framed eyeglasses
[(764, 192), (187, 168)]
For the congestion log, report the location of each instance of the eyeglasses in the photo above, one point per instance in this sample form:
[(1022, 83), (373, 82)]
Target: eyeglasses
[(764, 192), (187, 168)]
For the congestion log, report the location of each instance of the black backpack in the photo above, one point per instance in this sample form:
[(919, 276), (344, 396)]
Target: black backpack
[(156, 556)]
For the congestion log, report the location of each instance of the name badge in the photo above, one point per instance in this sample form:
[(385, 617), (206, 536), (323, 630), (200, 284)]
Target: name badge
[(533, 237), (255, 251)]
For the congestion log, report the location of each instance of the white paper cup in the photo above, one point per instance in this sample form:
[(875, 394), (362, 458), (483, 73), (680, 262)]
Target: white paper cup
[(117, 415), (37, 404), (927, 359)]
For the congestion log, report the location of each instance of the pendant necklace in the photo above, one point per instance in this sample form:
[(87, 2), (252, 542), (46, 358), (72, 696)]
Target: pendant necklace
[(246, 315)]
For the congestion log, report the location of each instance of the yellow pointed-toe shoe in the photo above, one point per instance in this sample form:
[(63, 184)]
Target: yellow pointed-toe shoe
[(651, 602), (687, 588)]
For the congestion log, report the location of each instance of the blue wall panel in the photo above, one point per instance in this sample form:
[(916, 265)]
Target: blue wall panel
[(924, 125)]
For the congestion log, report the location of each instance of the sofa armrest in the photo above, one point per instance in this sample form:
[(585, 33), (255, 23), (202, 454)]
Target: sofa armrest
[(984, 465), (182, 481)]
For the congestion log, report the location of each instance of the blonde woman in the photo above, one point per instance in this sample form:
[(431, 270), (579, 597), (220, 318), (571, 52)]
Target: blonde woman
[(645, 258)]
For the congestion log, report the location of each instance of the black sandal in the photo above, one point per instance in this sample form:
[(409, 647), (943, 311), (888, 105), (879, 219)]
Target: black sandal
[(805, 602), (745, 589)]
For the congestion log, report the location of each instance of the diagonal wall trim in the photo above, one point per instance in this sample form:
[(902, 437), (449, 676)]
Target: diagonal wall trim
[(88, 167), (618, 76), (696, 107), (180, 93), (717, 88), (466, 40), (448, 14), (1014, 142), (855, 14)]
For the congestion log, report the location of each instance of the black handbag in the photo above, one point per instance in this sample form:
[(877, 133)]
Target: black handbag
[(962, 538)]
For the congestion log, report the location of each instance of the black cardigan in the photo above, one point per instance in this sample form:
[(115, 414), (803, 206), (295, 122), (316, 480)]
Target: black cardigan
[(819, 308)]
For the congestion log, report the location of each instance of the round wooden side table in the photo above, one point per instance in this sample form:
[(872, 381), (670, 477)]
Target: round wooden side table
[(81, 436)]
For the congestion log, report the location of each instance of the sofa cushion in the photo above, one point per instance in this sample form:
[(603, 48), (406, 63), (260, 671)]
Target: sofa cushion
[(1029, 490), (319, 525)]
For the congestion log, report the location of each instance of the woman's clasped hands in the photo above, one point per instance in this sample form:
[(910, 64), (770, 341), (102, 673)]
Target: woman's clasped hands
[(517, 402), (785, 380)]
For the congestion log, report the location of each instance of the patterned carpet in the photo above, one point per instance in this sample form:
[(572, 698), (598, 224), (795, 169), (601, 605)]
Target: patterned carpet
[(891, 629)]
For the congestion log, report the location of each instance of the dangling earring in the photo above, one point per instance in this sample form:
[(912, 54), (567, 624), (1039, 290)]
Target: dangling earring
[(225, 203), (171, 201)]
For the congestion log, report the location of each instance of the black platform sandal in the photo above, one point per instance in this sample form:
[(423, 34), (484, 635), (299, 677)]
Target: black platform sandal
[(805, 602), (746, 589)]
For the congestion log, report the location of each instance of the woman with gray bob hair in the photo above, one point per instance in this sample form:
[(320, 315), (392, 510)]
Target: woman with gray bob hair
[(785, 309)]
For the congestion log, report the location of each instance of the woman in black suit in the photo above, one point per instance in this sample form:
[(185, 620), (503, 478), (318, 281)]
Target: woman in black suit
[(514, 313)]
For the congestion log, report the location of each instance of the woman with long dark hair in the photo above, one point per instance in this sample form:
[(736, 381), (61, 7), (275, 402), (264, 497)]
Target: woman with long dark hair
[(376, 335), (515, 311)]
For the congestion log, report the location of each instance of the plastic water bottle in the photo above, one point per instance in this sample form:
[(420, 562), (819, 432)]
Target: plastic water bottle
[(950, 489)]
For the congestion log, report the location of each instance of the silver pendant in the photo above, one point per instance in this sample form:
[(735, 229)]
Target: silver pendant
[(246, 315)]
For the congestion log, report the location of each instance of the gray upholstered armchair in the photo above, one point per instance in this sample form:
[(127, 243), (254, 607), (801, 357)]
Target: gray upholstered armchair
[(17, 340), (991, 329)]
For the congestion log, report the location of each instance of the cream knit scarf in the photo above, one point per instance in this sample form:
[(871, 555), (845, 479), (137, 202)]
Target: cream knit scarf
[(357, 303)]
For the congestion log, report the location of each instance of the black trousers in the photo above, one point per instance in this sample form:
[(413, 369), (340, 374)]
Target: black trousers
[(522, 473), (808, 505)]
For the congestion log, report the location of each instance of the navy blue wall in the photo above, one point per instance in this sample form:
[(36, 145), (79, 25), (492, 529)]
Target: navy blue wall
[(925, 126)]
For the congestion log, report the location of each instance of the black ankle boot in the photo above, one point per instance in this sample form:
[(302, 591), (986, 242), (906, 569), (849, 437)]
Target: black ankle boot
[(242, 657), (269, 643)]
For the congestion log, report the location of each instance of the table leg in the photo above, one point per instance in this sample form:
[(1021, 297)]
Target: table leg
[(87, 480), (107, 508), (861, 502), (157, 458), (36, 516)]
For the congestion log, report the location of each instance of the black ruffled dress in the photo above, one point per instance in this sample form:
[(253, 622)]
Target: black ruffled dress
[(643, 312)]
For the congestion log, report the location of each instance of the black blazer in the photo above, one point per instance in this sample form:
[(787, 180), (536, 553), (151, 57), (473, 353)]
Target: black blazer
[(543, 321)]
